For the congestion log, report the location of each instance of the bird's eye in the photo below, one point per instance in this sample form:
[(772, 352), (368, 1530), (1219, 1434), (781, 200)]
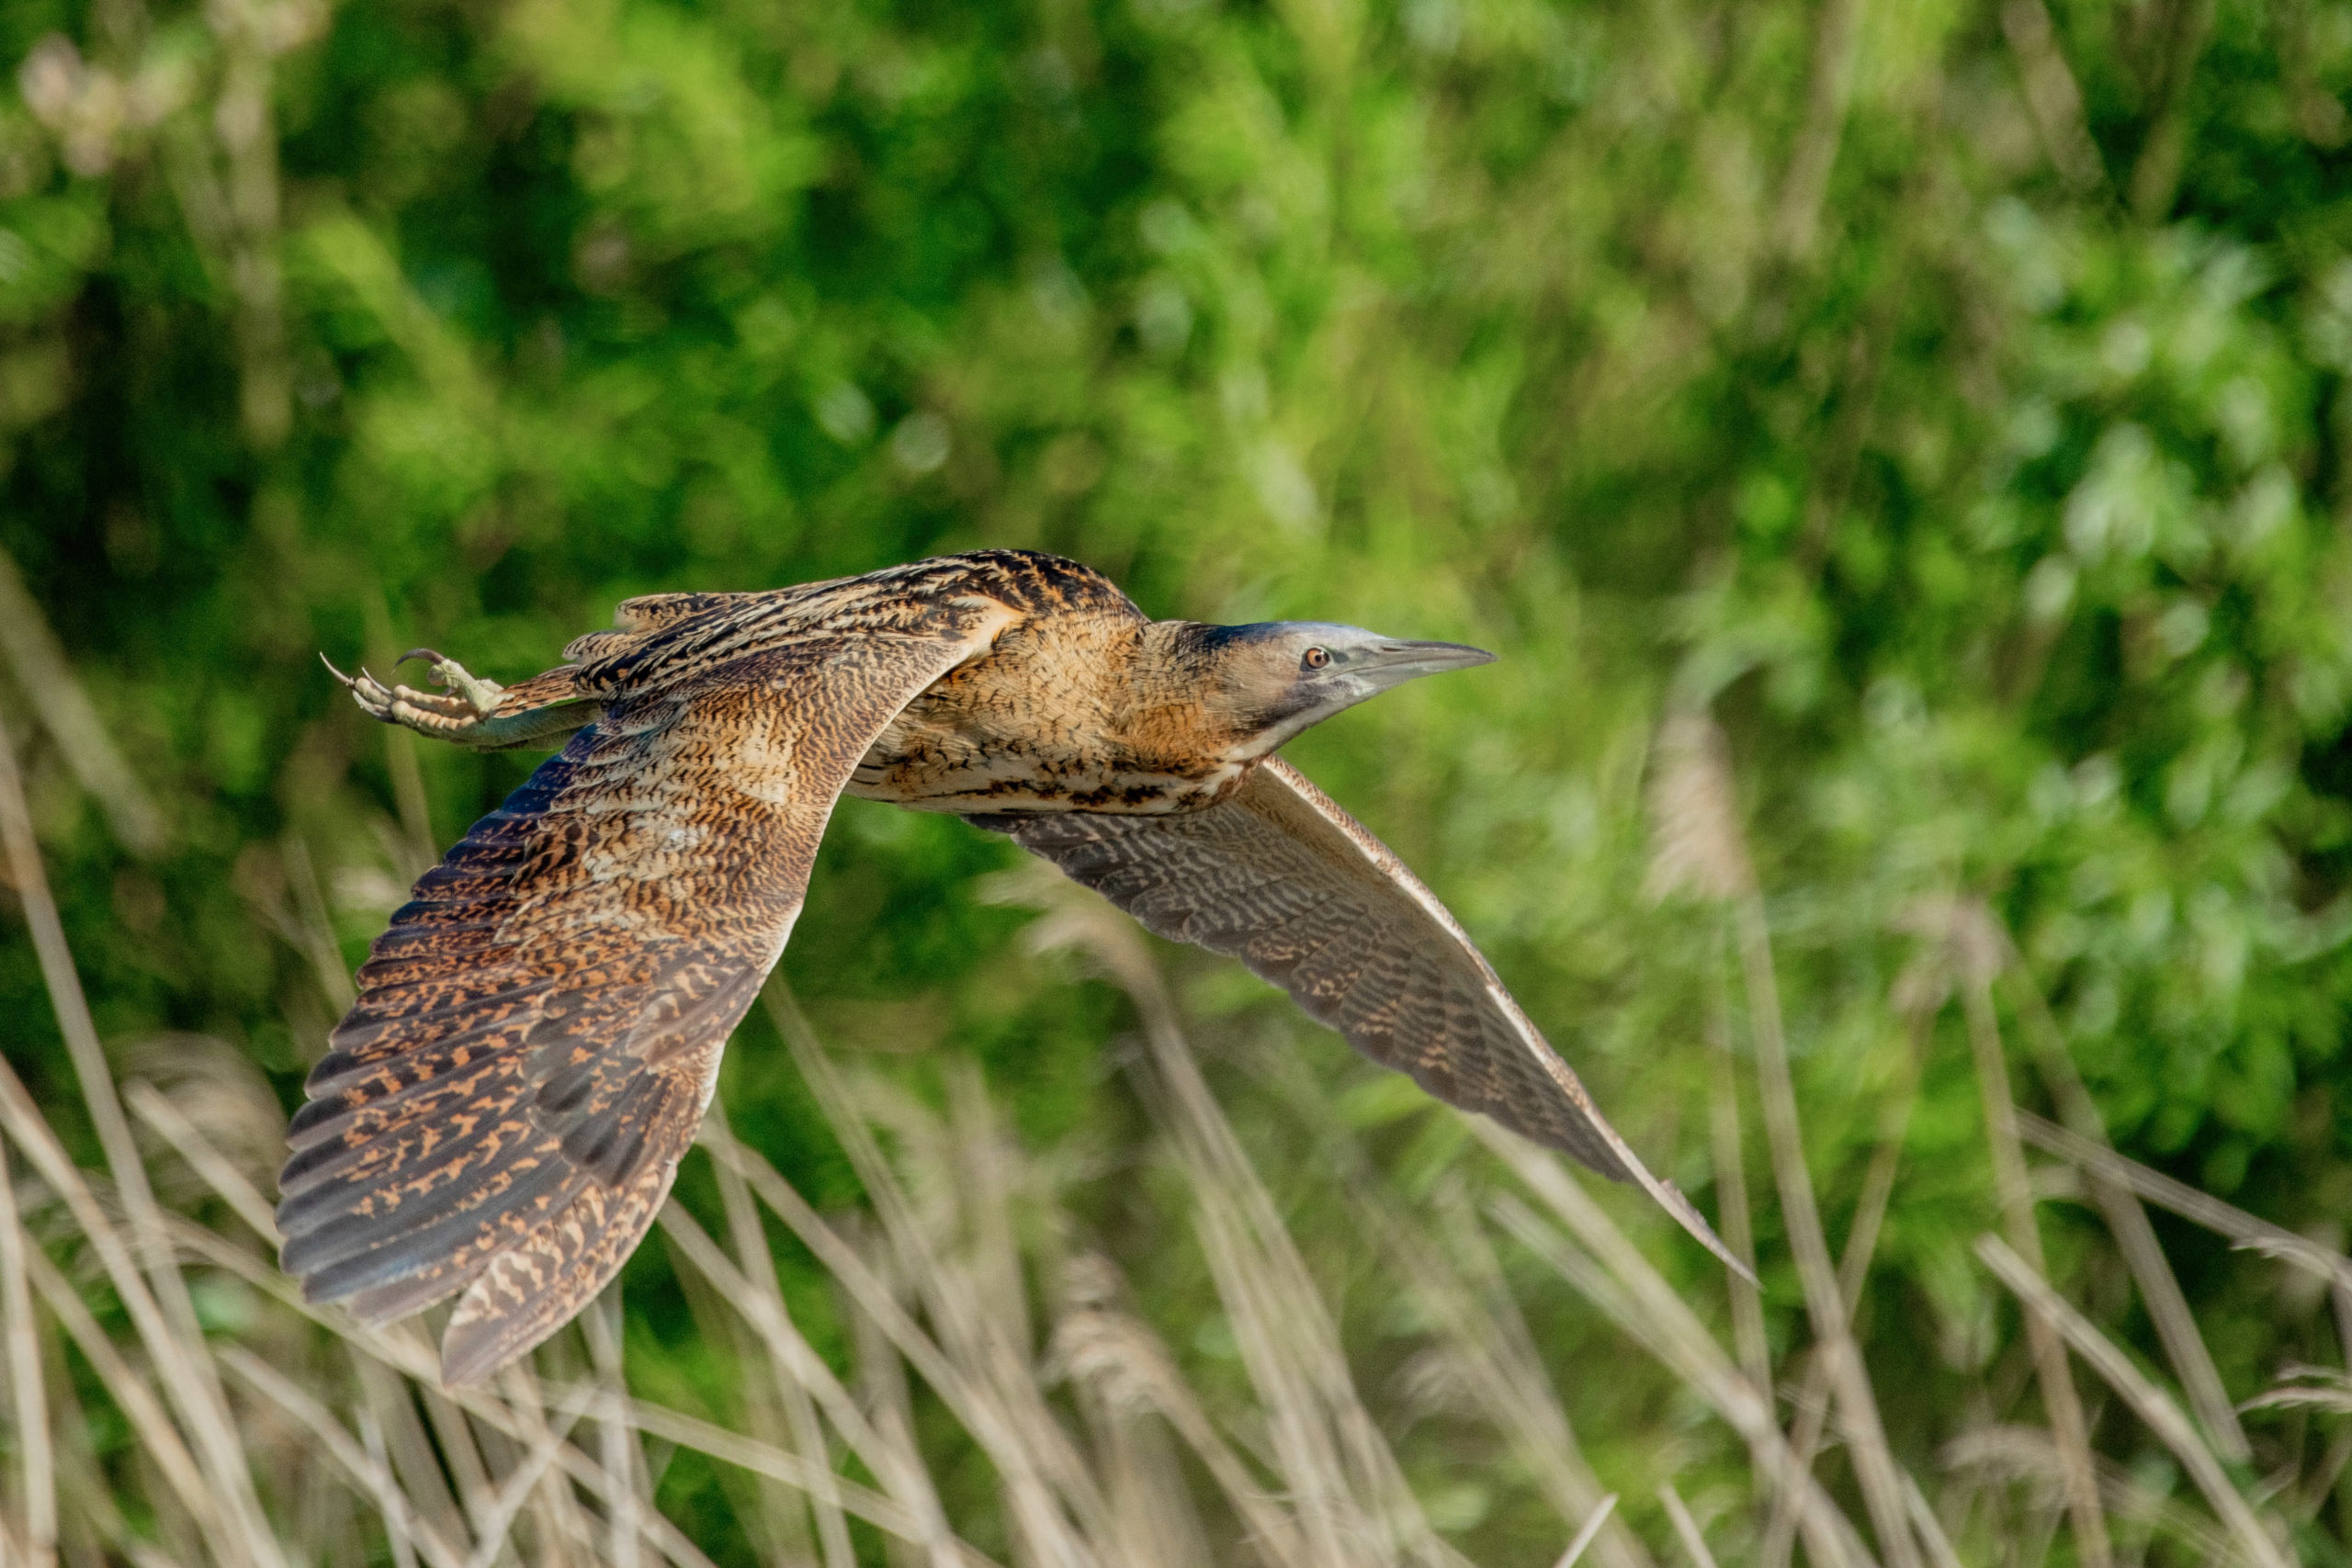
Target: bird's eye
[(1314, 659)]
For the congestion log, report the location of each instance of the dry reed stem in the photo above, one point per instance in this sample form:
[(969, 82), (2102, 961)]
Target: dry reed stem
[(2203, 1208), (1497, 1355), (997, 1402), (1931, 1528), (1459, 1285), (1353, 1495), (2135, 1238), (794, 1359), (386, 1398), (225, 1179), (616, 1440), (757, 1263), (46, 677), (1694, 813), (1121, 1354), (1632, 1292), (1874, 1465), (36, 1463), (883, 1513), (171, 1331), (397, 1534), (2050, 94), (1702, 849), (2155, 174), (1584, 1537), (1686, 1528), (369, 1472), (188, 1394), (1853, 1268), (406, 1354), (1091, 1349), (2060, 1399), (1288, 1346), (2151, 1404), (313, 931), (516, 1489), (130, 1393), (1732, 1211)]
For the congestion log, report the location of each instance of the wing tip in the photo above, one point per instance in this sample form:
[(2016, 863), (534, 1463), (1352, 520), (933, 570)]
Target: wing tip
[(1685, 1214)]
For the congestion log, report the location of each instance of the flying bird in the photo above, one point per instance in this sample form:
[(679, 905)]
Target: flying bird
[(537, 1034)]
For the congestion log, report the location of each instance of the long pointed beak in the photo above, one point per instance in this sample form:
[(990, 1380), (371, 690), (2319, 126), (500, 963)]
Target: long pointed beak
[(1394, 664)]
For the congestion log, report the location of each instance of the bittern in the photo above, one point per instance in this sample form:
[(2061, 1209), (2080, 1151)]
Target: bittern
[(537, 1034)]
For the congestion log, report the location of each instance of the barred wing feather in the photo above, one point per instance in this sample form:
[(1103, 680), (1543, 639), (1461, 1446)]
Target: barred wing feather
[(539, 1032), (1282, 878)]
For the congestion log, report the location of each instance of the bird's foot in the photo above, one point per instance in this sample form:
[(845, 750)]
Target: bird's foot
[(461, 713), (447, 673)]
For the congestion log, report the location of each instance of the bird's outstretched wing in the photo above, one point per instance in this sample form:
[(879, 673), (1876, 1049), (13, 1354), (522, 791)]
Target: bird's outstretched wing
[(538, 1034), (1282, 878)]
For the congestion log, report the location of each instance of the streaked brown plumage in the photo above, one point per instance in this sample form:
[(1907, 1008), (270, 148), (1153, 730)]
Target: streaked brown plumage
[(537, 1034)]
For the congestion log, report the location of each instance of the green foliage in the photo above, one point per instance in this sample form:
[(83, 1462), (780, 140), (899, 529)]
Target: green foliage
[(1987, 484)]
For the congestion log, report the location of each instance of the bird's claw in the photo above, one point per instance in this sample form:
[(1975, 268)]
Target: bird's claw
[(480, 695), (451, 715)]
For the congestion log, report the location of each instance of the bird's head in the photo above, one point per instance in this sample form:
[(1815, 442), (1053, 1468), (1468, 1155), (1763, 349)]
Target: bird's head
[(1268, 681)]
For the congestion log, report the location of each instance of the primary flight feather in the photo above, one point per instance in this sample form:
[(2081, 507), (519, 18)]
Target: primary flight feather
[(537, 1034)]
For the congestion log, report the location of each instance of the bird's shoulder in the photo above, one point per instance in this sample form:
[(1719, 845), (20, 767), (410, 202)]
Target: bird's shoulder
[(663, 638)]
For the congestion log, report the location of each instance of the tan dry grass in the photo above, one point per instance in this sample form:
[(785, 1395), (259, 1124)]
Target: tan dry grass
[(294, 1436)]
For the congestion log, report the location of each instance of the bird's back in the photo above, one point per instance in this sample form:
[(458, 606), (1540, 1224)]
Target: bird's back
[(666, 638)]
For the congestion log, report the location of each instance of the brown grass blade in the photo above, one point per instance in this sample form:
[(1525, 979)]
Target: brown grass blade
[(1351, 1497), (518, 1486), (1731, 1210), (617, 1437), (406, 1353), (1875, 1464), (1853, 1268), (996, 1400), (794, 1356), (2159, 1290), (1686, 1528), (1702, 850), (157, 1434), (46, 678), (166, 1317), (2151, 1404), (1466, 1296), (2060, 1399), (2201, 1208), (1584, 1537), (1119, 1356), (397, 1532), (225, 1179), (1644, 1305), (1931, 1528), (28, 1399), (800, 1418), (367, 1472)]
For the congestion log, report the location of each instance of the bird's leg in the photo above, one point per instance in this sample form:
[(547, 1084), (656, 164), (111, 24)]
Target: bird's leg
[(472, 712)]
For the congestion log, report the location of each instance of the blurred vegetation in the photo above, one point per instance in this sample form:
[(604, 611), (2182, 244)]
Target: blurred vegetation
[(1948, 397)]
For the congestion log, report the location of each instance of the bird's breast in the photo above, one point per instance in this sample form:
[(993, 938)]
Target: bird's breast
[(1016, 779), (1049, 720), (934, 760)]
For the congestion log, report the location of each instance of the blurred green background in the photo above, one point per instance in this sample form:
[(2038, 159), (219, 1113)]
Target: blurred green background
[(1950, 397)]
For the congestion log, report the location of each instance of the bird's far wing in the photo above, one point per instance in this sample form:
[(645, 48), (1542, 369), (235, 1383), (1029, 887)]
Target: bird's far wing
[(1282, 878), (539, 1032)]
